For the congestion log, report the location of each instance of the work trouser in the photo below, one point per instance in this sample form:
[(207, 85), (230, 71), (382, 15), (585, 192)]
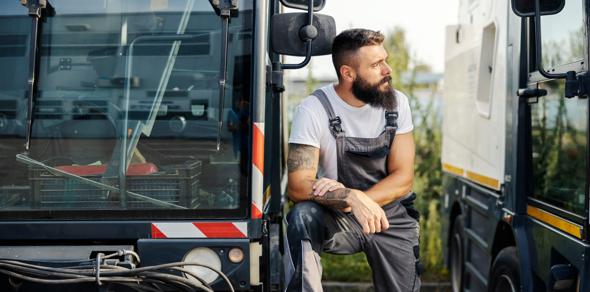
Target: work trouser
[(392, 254)]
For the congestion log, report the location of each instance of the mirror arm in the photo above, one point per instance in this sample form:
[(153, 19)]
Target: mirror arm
[(303, 63), (308, 33), (538, 46)]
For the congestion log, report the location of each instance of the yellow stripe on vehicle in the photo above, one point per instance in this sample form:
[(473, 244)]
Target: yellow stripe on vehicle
[(484, 180), (452, 169), (472, 176), (557, 222)]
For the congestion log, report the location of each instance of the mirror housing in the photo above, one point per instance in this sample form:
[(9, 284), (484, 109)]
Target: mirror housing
[(288, 31), (575, 84), (302, 4), (526, 8)]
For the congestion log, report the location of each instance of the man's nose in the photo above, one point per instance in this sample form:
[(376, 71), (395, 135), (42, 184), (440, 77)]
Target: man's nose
[(386, 69)]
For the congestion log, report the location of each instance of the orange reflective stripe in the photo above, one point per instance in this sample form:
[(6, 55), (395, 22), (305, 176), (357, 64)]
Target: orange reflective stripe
[(258, 148), (256, 213)]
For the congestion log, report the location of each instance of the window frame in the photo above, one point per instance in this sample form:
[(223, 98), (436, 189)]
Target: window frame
[(533, 80)]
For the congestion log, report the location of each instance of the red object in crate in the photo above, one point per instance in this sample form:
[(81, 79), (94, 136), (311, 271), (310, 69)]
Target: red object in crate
[(135, 169)]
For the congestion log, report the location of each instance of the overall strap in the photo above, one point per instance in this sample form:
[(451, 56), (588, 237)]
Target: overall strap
[(391, 124), (335, 121)]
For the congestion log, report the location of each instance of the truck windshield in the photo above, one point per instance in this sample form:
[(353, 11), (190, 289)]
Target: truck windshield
[(121, 95)]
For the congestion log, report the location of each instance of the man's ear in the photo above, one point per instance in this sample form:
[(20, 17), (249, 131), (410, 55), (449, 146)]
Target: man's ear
[(347, 73)]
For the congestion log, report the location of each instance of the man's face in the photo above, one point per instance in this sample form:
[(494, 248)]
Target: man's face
[(372, 82)]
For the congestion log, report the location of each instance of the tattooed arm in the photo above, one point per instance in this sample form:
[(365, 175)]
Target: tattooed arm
[(337, 199), (303, 167), (302, 164)]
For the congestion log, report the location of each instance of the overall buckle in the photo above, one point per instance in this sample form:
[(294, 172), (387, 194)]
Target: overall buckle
[(391, 119), (336, 124)]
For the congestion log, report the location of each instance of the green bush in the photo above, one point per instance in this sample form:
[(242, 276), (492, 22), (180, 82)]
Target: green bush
[(348, 268)]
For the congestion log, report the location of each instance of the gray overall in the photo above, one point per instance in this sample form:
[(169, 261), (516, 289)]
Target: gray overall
[(313, 228)]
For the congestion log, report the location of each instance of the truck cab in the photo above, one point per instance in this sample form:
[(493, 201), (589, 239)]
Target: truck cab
[(515, 146), (133, 134)]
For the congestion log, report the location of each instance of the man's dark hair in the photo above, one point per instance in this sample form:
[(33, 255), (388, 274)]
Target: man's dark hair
[(347, 43)]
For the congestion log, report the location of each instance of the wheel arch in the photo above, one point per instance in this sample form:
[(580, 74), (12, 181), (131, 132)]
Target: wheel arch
[(503, 237), (456, 210)]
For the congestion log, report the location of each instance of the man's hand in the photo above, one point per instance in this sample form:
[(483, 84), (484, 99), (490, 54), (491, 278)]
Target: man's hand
[(369, 214), (324, 185)]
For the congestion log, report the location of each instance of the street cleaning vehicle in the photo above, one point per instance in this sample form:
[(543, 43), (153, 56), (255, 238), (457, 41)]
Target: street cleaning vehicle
[(141, 141), (515, 146)]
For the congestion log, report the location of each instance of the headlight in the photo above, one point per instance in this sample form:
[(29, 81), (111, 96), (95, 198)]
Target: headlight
[(204, 256), (235, 255)]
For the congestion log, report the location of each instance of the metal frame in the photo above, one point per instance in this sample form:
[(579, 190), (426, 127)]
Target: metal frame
[(535, 77)]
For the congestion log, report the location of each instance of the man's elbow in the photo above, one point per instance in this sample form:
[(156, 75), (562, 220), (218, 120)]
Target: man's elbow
[(299, 187), (406, 182), (409, 185), (295, 195)]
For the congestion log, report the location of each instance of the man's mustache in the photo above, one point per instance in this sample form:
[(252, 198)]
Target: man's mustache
[(386, 79)]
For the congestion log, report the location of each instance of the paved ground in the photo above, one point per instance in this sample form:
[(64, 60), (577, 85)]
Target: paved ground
[(366, 287)]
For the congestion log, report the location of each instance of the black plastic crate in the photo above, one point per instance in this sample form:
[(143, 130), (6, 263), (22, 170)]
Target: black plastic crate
[(176, 184)]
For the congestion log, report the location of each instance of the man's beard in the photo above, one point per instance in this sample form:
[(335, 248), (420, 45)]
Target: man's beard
[(371, 94)]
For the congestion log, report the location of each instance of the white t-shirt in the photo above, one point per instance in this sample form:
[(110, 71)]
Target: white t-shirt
[(311, 127)]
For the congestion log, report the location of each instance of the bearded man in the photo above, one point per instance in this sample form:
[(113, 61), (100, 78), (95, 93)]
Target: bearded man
[(351, 170)]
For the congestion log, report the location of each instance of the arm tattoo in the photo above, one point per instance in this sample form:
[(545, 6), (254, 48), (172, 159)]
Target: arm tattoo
[(335, 199), (300, 157)]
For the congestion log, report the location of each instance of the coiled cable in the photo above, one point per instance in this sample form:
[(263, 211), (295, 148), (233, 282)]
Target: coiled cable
[(107, 269)]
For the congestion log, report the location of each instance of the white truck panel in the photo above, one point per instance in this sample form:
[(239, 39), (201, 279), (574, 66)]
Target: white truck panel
[(474, 117)]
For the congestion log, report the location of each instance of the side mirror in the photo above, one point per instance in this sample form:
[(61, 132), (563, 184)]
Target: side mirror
[(289, 29), (526, 8), (575, 85), (303, 4)]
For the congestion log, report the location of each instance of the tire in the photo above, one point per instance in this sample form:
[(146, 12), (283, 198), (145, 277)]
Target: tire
[(457, 255), (505, 275)]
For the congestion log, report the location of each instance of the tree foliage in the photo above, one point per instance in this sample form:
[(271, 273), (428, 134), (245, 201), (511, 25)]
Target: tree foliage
[(427, 136)]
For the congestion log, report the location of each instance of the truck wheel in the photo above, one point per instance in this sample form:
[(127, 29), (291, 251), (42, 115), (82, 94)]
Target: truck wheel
[(457, 255), (506, 272)]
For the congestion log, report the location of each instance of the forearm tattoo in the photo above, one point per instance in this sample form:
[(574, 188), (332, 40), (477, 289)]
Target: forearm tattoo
[(301, 157), (335, 199)]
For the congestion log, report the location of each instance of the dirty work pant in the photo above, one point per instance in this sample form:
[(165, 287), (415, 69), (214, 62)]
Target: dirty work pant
[(312, 228)]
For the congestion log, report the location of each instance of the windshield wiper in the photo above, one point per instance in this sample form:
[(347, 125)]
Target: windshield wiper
[(39, 10), (57, 172), (225, 9)]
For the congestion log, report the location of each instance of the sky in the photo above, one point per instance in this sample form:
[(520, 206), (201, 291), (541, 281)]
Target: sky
[(423, 20)]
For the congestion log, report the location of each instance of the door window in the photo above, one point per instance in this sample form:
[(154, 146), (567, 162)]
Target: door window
[(559, 138)]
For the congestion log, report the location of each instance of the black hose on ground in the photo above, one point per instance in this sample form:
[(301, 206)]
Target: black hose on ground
[(104, 269)]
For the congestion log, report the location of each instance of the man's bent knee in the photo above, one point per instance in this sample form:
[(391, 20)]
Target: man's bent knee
[(305, 222), (305, 213)]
